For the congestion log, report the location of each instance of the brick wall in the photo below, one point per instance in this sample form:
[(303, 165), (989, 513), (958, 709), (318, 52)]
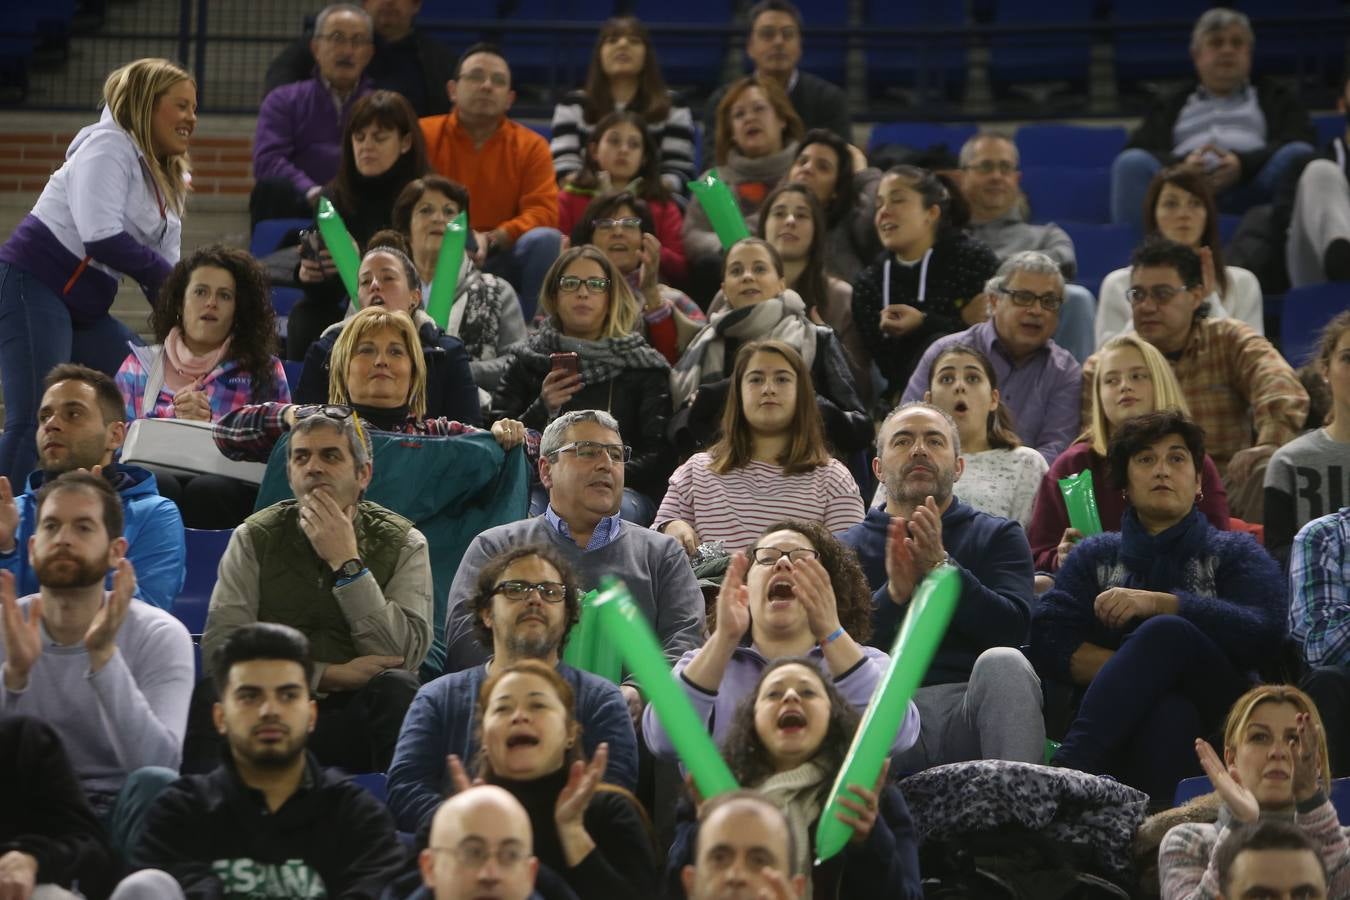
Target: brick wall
[(220, 165)]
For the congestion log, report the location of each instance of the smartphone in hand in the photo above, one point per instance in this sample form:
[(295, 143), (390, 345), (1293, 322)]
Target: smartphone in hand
[(567, 362)]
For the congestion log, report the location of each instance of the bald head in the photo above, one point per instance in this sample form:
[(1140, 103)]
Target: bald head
[(481, 844)]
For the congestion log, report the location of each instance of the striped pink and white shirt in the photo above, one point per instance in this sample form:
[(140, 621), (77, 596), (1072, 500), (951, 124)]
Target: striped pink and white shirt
[(734, 508)]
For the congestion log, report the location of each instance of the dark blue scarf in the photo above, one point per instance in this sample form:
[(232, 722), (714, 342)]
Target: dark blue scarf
[(1157, 562)]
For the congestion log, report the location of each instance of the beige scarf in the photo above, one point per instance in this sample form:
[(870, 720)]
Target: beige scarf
[(798, 793)]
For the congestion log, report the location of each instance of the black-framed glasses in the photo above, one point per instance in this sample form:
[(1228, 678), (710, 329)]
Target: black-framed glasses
[(629, 222), (548, 591), (618, 453), (1160, 294), (473, 853), (767, 556), (989, 167), (572, 283), (1049, 302)]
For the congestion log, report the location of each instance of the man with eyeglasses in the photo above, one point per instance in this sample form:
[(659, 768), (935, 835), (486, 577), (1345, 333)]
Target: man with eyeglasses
[(990, 181), (1239, 388), (298, 144), (1038, 380), (774, 44), (980, 698), (352, 576), (268, 821), (581, 463), (507, 168), (481, 845), (525, 603)]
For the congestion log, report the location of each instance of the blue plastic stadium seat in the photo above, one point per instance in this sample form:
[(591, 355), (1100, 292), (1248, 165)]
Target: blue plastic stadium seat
[(269, 233), (1061, 195), (1306, 311), (935, 64), (558, 59), (1155, 53), (1100, 249), (204, 550), (1228, 226), (920, 135), (375, 782), (1069, 146), (1190, 788), (1329, 126), (293, 370), (690, 59), (1043, 56), (825, 55)]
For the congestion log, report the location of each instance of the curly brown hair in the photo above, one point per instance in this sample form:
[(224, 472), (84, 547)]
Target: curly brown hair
[(253, 336), (744, 750), (491, 572), (852, 597)]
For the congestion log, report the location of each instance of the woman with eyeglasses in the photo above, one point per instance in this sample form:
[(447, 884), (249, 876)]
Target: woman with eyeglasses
[(622, 158), (377, 373), (1132, 379), (770, 461), (114, 208), (592, 834), (587, 355), (1180, 206), (621, 226), (795, 592)]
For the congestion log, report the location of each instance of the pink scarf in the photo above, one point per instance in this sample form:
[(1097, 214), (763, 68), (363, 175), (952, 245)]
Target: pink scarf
[(182, 366)]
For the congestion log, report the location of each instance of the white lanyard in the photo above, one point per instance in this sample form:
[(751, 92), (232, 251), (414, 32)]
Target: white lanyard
[(923, 279)]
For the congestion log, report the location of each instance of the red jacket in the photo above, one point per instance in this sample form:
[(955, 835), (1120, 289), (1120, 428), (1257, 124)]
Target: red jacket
[(667, 219)]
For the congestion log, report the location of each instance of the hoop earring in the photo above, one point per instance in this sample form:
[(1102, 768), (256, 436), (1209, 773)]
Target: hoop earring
[(1200, 496)]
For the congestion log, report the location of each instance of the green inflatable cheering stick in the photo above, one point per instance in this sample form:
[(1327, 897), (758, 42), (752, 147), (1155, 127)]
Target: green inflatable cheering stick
[(723, 212), (340, 246), (448, 263)]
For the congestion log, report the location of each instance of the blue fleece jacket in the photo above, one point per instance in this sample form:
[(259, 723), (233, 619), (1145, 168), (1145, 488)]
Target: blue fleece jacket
[(1224, 582), (994, 609), (152, 526)]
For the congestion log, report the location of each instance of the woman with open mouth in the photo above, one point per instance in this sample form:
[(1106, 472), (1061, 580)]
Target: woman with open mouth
[(788, 740), (795, 592), (593, 835), (1274, 765)]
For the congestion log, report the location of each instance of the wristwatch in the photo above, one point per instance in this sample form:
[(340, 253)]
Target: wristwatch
[(350, 569)]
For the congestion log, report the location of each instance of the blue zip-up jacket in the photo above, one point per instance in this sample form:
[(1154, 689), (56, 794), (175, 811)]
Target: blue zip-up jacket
[(152, 526)]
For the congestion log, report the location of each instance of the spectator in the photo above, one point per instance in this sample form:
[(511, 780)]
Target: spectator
[(623, 159), (763, 308), (299, 143), (506, 168), (485, 311), (1236, 383), (51, 835), (1274, 763), (1131, 379), (744, 845), (1242, 137), (1319, 585), (1161, 624), (581, 463), (82, 428), (991, 184), (1179, 206), (931, 278), (980, 698), (113, 208), (1309, 477), (795, 592), (794, 223), (111, 675), (382, 151), (1001, 473), (1271, 859), (846, 187), (268, 814), (625, 77), (1041, 381), (388, 279), (376, 371), (592, 314), (485, 823), (525, 604), (621, 226), (788, 741), (352, 576), (770, 462), (756, 140), (406, 59), (215, 331), (594, 835), (1318, 245), (773, 42)]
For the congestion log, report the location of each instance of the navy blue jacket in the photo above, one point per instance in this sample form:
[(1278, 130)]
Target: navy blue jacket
[(997, 574)]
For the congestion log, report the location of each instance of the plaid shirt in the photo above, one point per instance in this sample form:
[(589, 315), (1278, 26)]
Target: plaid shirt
[(1233, 380), (1319, 590), (228, 387)]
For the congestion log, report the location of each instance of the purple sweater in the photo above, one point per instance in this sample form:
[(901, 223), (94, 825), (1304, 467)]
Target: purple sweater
[(299, 134)]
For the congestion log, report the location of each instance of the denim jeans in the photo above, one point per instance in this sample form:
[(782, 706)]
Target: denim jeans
[(36, 334), (526, 264), (1133, 169)]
